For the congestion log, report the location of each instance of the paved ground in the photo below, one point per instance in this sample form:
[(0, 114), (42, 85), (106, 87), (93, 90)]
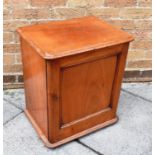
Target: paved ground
[(130, 136)]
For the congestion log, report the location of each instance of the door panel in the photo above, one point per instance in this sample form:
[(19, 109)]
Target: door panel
[(83, 91), (86, 88)]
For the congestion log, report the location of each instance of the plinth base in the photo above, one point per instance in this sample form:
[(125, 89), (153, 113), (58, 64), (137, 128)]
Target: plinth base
[(82, 133)]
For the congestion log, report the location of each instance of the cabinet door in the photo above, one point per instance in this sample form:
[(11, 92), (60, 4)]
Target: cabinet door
[(83, 91)]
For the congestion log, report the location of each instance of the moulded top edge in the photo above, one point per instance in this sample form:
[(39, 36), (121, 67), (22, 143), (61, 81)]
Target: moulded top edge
[(63, 38)]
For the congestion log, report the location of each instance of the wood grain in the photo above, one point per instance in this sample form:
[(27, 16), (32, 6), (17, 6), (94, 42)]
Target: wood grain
[(90, 89), (69, 112), (68, 139), (62, 38), (73, 71), (34, 70)]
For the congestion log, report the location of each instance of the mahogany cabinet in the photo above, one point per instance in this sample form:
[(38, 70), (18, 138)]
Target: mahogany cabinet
[(72, 76)]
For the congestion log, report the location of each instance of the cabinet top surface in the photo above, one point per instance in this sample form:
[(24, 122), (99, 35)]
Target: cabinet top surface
[(62, 38)]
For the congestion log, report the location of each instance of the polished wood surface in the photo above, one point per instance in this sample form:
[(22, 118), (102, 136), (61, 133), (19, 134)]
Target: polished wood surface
[(103, 110), (68, 139), (72, 85), (94, 91), (61, 38), (34, 70)]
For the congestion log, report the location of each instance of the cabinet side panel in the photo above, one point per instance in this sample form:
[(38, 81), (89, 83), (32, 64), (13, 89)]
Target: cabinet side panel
[(34, 70)]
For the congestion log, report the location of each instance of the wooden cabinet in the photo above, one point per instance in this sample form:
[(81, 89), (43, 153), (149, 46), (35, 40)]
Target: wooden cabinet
[(72, 76)]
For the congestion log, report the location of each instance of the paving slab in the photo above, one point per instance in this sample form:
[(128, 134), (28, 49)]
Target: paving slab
[(143, 90), (131, 135), (9, 111), (21, 139), (16, 97)]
